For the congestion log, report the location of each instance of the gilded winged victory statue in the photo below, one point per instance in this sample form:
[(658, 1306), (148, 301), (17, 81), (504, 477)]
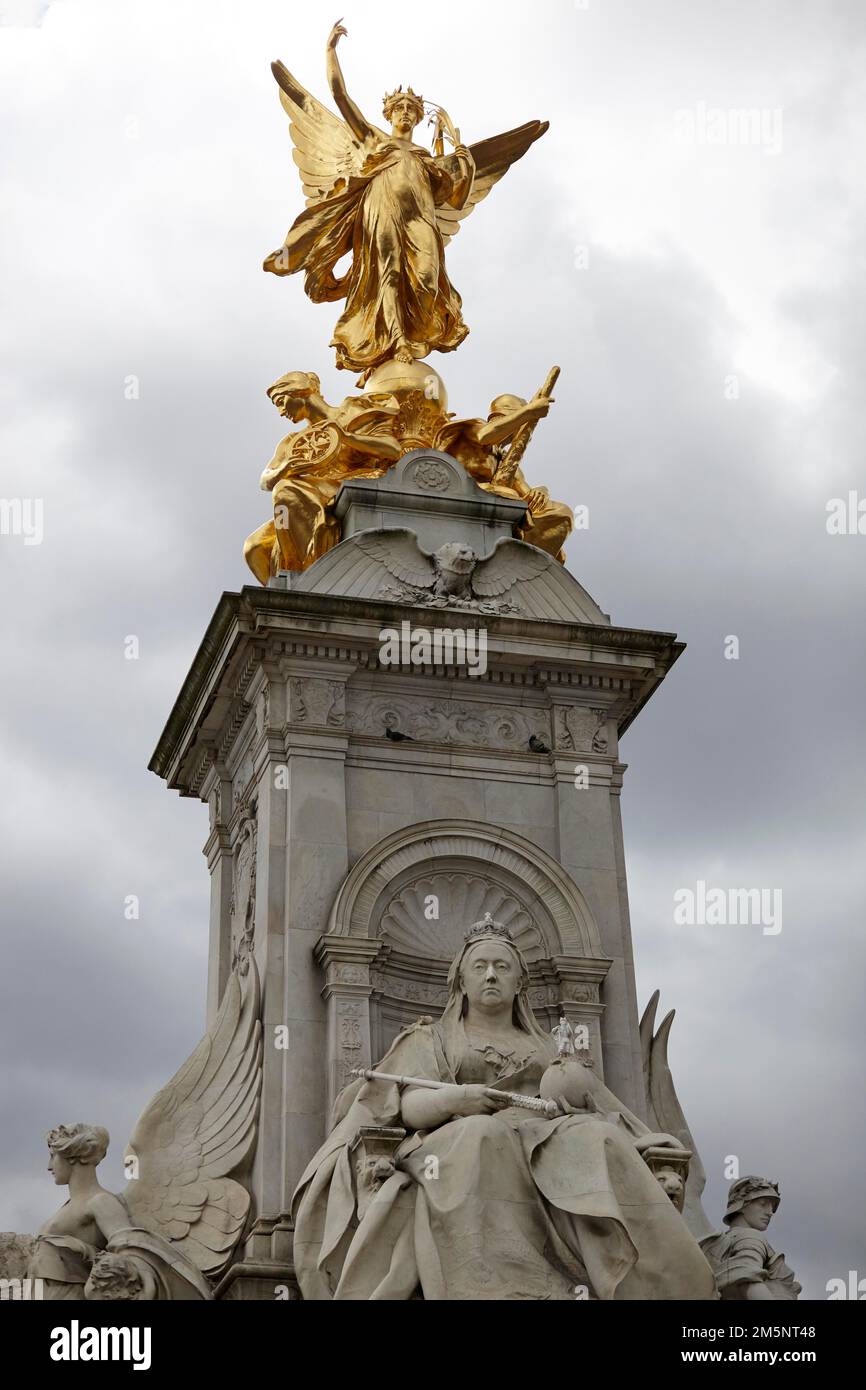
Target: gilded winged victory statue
[(394, 206), (391, 206)]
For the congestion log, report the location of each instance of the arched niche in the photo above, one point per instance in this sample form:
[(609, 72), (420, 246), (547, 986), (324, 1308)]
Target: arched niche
[(399, 918)]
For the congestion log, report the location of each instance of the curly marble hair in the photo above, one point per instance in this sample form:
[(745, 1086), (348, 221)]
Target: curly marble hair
[(79, 1143), (114, 1277)]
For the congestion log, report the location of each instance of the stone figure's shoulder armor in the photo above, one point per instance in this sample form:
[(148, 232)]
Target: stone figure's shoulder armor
[(749, 1244), (741, 1256)]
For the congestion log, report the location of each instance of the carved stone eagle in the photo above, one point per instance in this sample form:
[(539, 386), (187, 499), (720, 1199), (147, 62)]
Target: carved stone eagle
[(452, 576)]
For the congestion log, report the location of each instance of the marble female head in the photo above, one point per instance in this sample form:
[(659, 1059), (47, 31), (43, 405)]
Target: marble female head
[(487, 931), (70, 1144)]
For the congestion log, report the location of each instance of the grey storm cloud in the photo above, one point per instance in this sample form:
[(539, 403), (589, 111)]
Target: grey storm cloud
[(706, 306)]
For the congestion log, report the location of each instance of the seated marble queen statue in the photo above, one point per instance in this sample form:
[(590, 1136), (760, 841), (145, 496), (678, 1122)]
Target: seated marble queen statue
[(485, 1199)]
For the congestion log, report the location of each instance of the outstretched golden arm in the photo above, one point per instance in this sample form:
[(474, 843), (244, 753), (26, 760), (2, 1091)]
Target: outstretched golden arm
[(352, 114)]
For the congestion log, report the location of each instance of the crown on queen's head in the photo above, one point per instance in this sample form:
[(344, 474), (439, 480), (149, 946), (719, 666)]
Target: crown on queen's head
[(487, 927)]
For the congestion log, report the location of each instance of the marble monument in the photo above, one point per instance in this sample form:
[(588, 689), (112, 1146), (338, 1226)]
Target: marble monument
[(424, 1073)]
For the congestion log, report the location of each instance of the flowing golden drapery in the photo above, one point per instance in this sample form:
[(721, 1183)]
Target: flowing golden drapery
[(397, 289)]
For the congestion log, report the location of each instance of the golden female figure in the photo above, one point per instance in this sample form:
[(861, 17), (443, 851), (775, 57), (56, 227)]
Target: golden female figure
[(393, 205)]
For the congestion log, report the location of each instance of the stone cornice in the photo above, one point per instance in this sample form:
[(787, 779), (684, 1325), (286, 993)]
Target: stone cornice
[(286, 625)]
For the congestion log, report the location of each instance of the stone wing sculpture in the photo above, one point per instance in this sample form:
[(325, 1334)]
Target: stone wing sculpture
[(510, 563), (197, 1130), (399, 553), (666, 1113), (453, 575), (181, 1215)]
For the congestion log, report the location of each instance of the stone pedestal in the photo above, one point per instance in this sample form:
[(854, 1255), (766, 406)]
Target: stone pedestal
[(362, 815)]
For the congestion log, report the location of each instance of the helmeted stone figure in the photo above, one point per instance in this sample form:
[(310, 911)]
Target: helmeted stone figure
[(746, 1265)]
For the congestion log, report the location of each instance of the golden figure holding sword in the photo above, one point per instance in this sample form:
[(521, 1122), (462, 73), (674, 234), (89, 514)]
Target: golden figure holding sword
[(510, 461), (480, 446)]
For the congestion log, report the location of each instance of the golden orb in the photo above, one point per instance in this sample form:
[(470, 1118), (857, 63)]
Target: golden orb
[(393, 378)]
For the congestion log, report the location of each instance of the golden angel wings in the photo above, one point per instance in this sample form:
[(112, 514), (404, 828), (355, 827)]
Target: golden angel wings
[(328, 155)]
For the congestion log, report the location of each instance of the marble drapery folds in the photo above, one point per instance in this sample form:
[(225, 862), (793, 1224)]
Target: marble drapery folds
[(503, 1206)]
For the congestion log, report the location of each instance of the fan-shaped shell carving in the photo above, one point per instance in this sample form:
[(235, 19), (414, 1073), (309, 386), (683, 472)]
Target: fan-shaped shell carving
[(429, 916)]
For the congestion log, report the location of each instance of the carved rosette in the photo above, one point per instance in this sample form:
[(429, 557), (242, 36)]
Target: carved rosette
[(432, 475)]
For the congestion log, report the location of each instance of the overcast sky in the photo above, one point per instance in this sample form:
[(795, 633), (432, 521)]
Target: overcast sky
[(705, 302)]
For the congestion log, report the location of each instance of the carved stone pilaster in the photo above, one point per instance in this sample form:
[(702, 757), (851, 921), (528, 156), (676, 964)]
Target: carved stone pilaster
[(580, 982), (243, 900), (346, 962), (218, 853)]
